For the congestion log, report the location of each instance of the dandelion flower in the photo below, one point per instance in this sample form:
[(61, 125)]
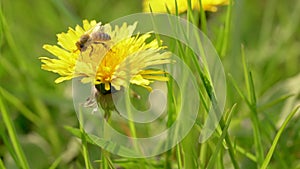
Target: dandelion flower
[(111, 65), (160, 5)]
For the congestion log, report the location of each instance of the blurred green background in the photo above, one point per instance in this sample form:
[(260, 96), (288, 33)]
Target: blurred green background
[(39, 108)]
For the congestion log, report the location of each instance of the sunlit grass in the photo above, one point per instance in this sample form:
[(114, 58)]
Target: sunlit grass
[(260, 126)]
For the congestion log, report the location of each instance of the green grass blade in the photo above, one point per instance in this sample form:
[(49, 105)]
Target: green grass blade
[(256, 127), (83, 137), (277, 137), (220, 162), (255, 123), (252, 90), (176, 8), (203, 155), (100, 142), (109, 162), (7, 143), (203, 18), (253, 107), (274, 102), (212, 97), (232, 153), (20, 106), (77, 133), (85, 151), (212, 160), (104, 162), (56, 162), (225, 39), (189, 151), (13, 135), (179, 156), (190, 15), (246, 153), (1, 164), (235, 85), (246, 71)]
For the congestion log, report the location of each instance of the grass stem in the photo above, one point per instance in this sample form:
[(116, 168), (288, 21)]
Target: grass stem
[(21, 158)]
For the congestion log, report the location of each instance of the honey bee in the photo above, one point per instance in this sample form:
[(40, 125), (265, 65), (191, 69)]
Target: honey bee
[(97, 36)]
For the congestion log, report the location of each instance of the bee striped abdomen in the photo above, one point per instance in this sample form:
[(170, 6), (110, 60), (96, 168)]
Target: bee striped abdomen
[(101, 36)]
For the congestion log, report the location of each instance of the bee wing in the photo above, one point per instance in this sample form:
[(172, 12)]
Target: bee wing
[(98, 28), (94, 28)]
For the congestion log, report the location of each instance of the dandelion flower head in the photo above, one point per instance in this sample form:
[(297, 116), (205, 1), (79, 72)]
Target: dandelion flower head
[(124, 58)]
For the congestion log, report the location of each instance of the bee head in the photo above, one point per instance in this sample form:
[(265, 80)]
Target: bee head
[(80, 43)]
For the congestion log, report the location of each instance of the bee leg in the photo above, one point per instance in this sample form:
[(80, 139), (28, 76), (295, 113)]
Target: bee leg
[(102, 44), (105, 45), (92, 49), (83, 49)]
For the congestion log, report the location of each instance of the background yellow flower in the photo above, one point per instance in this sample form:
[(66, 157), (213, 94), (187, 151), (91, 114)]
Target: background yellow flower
[(160, 5)]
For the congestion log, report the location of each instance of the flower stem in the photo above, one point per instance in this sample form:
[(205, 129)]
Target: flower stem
[(131, 124)]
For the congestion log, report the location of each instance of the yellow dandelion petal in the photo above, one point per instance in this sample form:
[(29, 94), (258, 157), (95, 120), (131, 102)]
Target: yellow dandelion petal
[(88, 25), (123, 32), (88, 79), (135, 63), (59, 67), (79, 31), (153, 72), (153, 75), (156, 78), (61, 79), (84, 69), (139, 80), (59, 52), (107, 86), (67, 40)]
